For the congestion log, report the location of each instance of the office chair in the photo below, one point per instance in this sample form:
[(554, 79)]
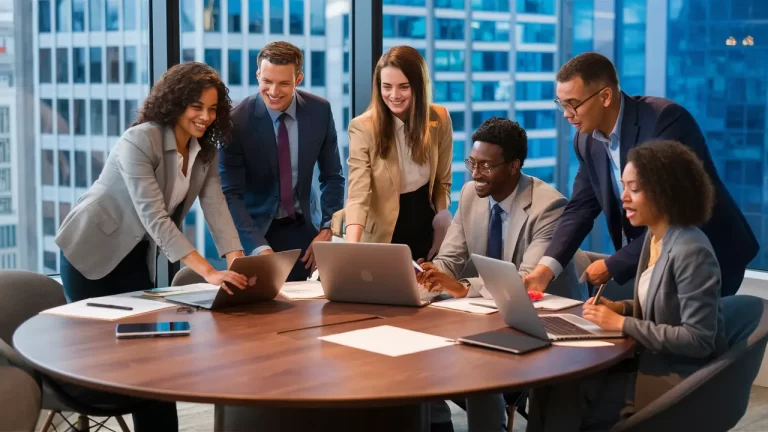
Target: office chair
[(24, 294)]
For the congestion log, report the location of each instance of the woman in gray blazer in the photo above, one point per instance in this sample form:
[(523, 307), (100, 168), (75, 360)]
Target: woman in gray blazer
[(675, 316), (153, 175)]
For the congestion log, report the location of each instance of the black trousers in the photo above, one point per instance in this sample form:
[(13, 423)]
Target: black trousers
[(286, 234), (131, 274), (414, 222)]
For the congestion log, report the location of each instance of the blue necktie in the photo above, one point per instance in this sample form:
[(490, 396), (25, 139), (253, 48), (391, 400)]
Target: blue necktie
[(494, 235)]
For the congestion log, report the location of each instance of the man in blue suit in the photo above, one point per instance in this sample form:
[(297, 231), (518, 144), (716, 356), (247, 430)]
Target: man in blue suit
[(266, 170), (609, 124)]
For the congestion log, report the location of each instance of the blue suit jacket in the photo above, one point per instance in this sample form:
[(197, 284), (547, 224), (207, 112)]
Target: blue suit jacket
[(249, 171), (645, 118)]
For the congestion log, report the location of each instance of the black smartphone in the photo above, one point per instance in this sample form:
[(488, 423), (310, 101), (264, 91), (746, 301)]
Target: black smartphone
[(158, 329)]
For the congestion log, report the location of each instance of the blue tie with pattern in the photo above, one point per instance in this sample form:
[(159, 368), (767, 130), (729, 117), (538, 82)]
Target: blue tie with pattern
[(494, 234)]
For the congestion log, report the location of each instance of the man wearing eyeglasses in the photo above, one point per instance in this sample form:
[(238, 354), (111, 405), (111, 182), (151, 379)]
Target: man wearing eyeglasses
[(609, 123), (503, 214)]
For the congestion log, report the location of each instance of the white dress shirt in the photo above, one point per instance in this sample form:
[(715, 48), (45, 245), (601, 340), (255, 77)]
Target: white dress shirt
[(181, 184), (412, 175), (642, 288)]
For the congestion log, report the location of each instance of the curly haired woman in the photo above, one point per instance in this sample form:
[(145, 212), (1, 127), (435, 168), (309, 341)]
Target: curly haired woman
[(154, 174)]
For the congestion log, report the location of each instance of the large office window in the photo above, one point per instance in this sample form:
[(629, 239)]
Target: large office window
[(112, 15), (212, 15), (449, 91), (536, 33), (95, 65), (187, 16), (96, 15), (130, 65), (45, 65), (535, 90), (535, 62), (538, 119), (253, 66), (129, 14), (62, 112), (536, 6), (491, 5), (79, 116), (97, 117), (491, 91), (63, 17), (318, 68), (490, 61), (213, 58), (44, 16), (317, 18), (449, 4), (113, 65)]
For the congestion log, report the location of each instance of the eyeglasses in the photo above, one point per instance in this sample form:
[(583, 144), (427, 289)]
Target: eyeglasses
[(565, 106), (185, 309), (484, 168)]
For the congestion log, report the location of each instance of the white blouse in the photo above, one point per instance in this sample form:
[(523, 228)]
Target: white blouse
[(412, 175), (642, 288), (181, 185)]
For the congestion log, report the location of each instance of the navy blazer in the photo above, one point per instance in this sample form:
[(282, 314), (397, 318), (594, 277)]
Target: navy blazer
[(645, 118), (249, 171)]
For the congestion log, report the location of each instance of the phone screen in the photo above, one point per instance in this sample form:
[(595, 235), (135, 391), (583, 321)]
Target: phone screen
[(177, 328)]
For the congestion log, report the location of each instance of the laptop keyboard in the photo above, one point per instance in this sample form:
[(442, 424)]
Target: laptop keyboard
[(561, 327)]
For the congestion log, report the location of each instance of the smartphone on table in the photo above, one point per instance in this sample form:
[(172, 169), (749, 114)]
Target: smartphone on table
[(157, 329)]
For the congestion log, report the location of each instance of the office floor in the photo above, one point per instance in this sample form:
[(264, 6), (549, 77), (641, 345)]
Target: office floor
[(199, 418)]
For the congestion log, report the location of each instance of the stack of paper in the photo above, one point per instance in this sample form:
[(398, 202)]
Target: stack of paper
[(81, 309), (302, 290), (181, 289), (388, 340), (477, 305), (554, 303)]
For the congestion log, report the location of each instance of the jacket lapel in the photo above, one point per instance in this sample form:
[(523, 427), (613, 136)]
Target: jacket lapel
[(481, 216), (263, 129), (519, 216), (393, 167), (170, 164), (306, 164), (658, 268), (435, 150), (629, 129)]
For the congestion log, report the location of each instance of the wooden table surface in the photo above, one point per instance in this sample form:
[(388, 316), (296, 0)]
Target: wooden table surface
[(269, 354)]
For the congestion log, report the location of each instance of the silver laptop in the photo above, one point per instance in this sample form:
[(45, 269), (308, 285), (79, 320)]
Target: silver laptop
[(266, 275), (378, 273), (506, 286)]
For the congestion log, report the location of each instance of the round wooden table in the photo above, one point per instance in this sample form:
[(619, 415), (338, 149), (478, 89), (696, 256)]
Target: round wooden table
[(269, 354)]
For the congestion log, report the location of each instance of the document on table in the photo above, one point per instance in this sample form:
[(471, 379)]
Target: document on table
[(476, 305), (554, 303), (583, 343), (389, 340), (302, 290), (80, 309)]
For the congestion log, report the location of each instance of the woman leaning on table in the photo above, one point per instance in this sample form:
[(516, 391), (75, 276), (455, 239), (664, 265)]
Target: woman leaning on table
[(400, 153), (153, 175), (675, 316)]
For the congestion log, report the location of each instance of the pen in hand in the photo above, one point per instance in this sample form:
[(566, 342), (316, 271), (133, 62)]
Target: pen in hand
[(109, 306)]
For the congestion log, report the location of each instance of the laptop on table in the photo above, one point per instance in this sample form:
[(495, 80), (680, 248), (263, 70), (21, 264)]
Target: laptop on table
[(506, 286), (378, 273), (266, 275)]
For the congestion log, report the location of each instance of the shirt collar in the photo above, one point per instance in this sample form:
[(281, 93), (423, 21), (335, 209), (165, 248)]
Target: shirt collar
[(398, 123), (291, 111), (506, 204), (616, 132)]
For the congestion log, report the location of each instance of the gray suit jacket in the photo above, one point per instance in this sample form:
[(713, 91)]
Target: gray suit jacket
[(535, 212), (130, 199), (683, 327)]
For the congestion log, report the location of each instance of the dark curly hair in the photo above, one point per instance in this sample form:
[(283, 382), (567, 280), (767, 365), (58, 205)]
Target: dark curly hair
[(675, 181), (505, 133), (181, 86)]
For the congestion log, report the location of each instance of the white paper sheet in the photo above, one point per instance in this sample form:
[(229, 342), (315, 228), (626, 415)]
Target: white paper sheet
[(389, 340), (554, 303), (183, 289), (82, 310), (465, 305), (583, 343), (302, 290)]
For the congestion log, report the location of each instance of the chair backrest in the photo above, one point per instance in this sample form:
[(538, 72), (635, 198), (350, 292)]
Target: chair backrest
[(24, 294), (186, 276), (698, 402), (580, 262), (741, 314)]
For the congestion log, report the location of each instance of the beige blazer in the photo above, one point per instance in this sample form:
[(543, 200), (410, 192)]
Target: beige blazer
[(373, 195), (536, 209), (130, 200)]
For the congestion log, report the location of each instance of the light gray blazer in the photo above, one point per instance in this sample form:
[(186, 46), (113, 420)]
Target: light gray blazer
[(683, 327), (535, 212), (130, 199)]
